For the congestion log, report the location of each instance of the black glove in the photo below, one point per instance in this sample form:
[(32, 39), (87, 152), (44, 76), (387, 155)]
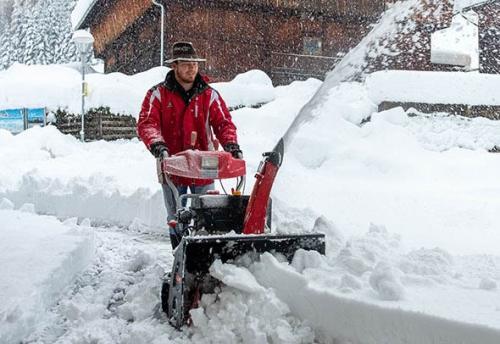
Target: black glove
[(234, 149), (159, 149)]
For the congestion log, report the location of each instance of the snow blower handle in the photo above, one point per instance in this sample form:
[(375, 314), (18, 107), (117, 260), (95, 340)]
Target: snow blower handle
[(159, 171)]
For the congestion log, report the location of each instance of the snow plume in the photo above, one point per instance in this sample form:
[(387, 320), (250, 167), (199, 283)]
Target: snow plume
[(459, 5), (353, 64), (395, 20)]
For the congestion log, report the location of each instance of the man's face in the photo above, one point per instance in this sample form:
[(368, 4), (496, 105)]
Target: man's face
[(185, 71)]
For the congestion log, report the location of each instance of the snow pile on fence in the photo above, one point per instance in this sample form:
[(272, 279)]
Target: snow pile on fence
[(434, 87), (59, 87), (247, 89), (40, 258)]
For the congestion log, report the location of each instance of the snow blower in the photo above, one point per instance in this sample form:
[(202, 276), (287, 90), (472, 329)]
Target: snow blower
[(224, 227)]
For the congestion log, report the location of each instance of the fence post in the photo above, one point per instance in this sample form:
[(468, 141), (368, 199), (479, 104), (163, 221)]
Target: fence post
[(25, 118), (99, 124)]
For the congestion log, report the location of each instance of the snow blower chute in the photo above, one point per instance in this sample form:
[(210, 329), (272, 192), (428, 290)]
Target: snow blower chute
[(222, 227)]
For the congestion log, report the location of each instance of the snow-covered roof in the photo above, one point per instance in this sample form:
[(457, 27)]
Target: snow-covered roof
[(80, 12), (459, 5), (459, 43)]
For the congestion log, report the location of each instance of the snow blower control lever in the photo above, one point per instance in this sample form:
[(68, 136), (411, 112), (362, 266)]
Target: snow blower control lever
[(223, 227)]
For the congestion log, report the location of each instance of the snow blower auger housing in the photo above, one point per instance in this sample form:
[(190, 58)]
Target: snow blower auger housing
[(223, 227)]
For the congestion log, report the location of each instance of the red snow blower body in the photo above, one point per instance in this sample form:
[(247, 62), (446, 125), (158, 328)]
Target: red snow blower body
[(223, 227)]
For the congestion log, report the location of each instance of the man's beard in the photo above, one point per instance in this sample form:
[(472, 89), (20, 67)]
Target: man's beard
[(185, 79)]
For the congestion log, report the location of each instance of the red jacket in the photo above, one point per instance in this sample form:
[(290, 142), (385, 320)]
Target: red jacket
[(170, 115)]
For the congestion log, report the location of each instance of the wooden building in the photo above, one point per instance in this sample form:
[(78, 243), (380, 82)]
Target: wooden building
[(288, 39), (410, 49), (412, 45)]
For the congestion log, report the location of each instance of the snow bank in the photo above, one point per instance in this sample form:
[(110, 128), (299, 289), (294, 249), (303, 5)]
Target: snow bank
[(38, 167), (59, 87), (434, 87), (405, 172), (441, 132), (122, 93), (40, 258), (64, 177), (339, 318), (250, 88), (40, 86), (367, 289), (385, 171)]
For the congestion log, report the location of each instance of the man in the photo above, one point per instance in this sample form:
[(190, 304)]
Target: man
[(184, 112)]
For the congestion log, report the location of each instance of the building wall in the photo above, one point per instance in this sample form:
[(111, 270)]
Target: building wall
[(489, 43), (412, 47), (137, 49), (231, 41), (414, 52), (286, 44), (112, 18)]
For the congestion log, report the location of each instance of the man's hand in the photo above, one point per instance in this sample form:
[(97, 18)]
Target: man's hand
[(234, 149), (159, 150)]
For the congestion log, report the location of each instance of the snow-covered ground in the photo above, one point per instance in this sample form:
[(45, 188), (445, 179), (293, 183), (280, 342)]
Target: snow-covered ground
[(40, 257), (408, 204)]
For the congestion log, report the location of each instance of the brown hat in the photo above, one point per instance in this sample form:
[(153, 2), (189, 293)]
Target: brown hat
[(184, 51)]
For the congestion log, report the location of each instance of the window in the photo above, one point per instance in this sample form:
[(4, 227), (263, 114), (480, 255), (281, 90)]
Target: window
[(312, 46)]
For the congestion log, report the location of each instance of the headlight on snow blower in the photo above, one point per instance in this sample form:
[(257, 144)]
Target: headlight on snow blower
[(210, 167)]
